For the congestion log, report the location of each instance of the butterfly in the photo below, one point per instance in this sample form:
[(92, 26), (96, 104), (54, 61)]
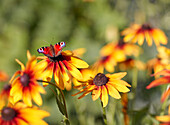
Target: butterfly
[(52, 50)]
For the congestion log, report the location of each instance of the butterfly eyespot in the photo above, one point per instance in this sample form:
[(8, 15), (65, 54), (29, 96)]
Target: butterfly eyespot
[(62, 44), (40, 50)]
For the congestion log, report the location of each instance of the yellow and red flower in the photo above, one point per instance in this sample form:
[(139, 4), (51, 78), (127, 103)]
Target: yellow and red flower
[(130, 64), (3, 76), (25, 86), (5, 95), (101, 85), (165, 119), (105, 62), (137, 33), (161, 62), (20, 114), (62, 66), (112, 53), (160, 81)]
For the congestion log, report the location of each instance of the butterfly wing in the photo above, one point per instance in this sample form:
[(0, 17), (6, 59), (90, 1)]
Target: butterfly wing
[(47, 51), (52, 51), (58, 48)]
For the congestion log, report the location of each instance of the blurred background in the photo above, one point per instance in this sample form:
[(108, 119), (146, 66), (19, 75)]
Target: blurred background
[(31, 24)]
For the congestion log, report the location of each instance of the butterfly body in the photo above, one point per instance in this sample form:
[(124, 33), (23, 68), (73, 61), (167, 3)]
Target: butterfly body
[(52, 50)]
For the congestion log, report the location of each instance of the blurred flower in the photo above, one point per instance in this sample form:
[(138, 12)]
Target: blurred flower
[(26, 86), (139, 32), (62, 65), (160, 81), (101, 85), (164, 55), (113, 53), (130, 64), (105, 62), (161, 62), (79, 52), (165, 119), (5, 95), (120, 50), (20, 114), (3, 76)]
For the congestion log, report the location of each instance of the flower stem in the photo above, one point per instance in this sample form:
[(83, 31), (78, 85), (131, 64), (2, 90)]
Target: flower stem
[(66, 115), (104, 114), (134, 85), (134, 78)]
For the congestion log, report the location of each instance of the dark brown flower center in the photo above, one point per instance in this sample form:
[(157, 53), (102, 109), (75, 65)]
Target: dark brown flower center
[(121, 43), (100, 79), (25, 79), (146, 27), (7, 87), (8, 113), (56, 58), (104, 58)]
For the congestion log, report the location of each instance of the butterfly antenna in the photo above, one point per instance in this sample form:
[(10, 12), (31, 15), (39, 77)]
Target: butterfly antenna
[(46, 41)]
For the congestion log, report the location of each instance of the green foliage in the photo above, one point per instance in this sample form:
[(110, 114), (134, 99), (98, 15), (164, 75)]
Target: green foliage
[(30, 24)]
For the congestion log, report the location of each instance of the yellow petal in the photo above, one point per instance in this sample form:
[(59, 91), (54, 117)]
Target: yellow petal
[(129, 36), (35, 116), (162, 37), (119, 55), (109, 67), (98, 67), (148, 38), (134, 40), (16, 92), (27, 96), (67, 53), (57, 77), (28, 55), (12, 80), (104, 96), (42, 65), (121, 82), (64, 72), (119, 75), (22, 65), (140, 38), (77, 62), (36, 97), (113, 92), (31, 63), (73, 70), (96, 93), (107, 49), (87, 74), (165, 118), (20, 121), (79, 52), (121, 88)]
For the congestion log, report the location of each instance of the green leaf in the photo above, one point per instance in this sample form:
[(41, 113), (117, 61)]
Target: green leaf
[(60, 103)]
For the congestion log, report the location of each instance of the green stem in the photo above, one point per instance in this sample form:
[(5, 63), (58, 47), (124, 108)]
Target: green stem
[(134, 85), (104, 114), (134, 78), (60, 92)]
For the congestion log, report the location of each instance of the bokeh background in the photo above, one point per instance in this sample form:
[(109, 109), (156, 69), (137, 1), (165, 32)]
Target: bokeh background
[(31, 24)]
